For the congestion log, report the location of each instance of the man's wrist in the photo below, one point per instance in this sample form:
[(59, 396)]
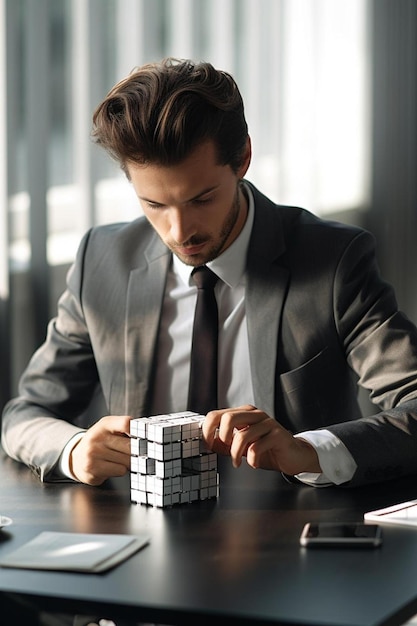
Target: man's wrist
[(65, 463), (311, 461)]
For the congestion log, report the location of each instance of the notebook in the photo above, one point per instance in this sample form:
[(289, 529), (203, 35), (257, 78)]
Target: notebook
[(403, 514), (74, 552)]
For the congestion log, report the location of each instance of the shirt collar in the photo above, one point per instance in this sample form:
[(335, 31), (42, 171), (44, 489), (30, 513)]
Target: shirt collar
[(230, 265)]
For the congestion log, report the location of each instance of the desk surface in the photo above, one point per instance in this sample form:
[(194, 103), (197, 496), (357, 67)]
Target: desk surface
[(236, 557)]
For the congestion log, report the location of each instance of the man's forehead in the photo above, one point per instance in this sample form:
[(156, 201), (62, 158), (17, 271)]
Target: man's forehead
[(193, 177)]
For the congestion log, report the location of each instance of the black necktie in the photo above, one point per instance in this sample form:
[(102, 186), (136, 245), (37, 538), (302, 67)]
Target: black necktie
[(202, 394)]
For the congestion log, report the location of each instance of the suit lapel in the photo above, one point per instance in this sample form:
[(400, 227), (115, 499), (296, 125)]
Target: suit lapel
[(267, 280), (263, 325), (143, 310)]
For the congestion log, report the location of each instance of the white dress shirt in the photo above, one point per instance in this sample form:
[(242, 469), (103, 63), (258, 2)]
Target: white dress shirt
[(235, 382)]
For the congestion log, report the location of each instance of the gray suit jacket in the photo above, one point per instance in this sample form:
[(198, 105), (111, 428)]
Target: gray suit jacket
[(319, 317)]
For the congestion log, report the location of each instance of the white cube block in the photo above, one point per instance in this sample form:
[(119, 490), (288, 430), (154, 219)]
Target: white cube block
[(169, 463)]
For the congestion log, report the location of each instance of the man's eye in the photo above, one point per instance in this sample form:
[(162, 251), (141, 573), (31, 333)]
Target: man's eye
[(200, 201)]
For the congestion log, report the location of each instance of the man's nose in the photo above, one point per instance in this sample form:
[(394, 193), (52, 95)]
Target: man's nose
[(181, 225)]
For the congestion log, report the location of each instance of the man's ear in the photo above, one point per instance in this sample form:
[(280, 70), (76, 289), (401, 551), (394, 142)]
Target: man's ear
[(125, 168), (246, 159)]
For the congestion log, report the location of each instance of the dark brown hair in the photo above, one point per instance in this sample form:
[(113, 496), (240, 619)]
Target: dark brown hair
[(162, 111)]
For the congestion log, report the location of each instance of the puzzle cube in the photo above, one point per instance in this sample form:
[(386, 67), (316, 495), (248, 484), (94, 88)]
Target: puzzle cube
[(169, 461)]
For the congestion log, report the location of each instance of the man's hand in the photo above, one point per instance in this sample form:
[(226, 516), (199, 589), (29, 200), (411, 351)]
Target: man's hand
[(245, 431), (103, 452)]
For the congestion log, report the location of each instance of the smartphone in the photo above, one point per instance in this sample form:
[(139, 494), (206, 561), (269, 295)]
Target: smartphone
[(349, 535)]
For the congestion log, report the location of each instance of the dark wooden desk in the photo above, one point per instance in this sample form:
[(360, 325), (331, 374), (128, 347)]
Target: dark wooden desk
[(235, 558)]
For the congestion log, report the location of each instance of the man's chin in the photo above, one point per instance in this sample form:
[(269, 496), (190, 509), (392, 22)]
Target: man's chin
[(194, 258)]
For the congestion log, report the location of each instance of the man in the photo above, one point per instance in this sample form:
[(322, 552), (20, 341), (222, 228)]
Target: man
[(303, 312)]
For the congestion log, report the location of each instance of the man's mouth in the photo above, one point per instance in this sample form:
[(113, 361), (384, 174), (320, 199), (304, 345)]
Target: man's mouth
[(190, 250)]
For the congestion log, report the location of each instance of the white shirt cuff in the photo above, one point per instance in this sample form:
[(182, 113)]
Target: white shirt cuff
[(336, 462), (64, 464)]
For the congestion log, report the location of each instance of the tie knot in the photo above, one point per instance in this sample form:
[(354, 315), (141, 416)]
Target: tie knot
[(204, 278)]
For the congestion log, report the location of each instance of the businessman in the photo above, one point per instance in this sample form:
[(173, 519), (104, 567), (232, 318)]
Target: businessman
[(303, 314)]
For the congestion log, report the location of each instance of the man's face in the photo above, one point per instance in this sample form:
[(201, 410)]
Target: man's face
[(196, 207)]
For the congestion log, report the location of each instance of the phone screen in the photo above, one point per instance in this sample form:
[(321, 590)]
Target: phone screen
[(341, 534)]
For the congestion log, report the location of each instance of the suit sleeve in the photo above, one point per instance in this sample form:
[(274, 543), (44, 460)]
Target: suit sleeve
[(56, 386), (380, 343)]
